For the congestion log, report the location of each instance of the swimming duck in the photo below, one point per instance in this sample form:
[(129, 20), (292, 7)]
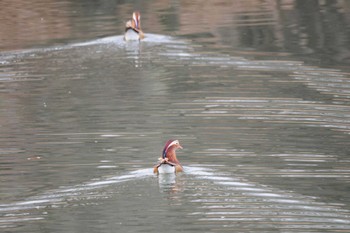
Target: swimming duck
[(133, 28), (168, 163)]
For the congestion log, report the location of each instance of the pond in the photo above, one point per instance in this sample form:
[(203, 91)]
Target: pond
[(257, 93)]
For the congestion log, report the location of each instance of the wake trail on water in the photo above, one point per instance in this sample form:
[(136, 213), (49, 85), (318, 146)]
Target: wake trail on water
[(242, 197)]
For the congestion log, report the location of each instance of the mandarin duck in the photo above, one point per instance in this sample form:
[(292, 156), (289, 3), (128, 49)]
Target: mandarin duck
[(168, 163), (133, 28)]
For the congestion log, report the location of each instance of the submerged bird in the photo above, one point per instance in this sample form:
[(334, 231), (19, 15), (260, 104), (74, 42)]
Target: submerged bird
[(133, 28), (168, 163)]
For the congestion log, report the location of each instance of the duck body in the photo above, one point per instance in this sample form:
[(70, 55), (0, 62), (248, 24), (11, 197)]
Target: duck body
[(133, 30), (169, 163), (131, 35), (166, 169)]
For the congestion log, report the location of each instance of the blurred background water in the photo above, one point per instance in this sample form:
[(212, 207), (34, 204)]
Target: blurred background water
[(257, 92)]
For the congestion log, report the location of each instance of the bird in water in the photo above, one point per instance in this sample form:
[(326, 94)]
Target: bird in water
[(169, 163), (133, 28)]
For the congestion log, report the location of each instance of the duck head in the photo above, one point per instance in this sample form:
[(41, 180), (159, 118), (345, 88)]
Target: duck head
[(136, 20), (170, 147)]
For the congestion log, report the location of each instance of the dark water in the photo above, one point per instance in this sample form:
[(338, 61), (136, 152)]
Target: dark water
[(257, 92)]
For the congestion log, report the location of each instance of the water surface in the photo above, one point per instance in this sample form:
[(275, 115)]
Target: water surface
[(263, 117)]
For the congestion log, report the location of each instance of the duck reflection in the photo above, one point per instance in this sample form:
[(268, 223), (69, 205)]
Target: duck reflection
[(133, 52), (167, 181), (171, 184)]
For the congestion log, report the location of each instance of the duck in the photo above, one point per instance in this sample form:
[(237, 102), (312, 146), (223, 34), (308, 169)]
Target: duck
[(133, 28), (168, 162)]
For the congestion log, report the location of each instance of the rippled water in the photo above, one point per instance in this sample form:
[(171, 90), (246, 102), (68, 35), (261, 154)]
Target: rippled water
[(265, 129)]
